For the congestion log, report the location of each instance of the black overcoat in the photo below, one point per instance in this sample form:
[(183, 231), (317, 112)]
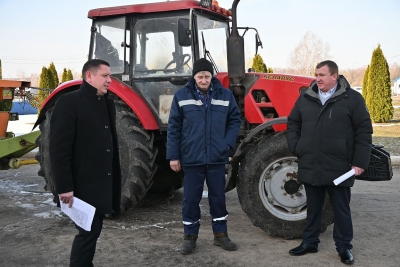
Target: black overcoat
[(84, 148), (328, 139)]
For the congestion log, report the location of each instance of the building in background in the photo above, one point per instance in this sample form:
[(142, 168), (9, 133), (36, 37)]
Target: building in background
[(396, 86)]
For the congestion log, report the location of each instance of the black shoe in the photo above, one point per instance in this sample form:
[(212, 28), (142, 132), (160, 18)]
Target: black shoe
[(303, 249), (346, 257), (222, 240), (188, 245)]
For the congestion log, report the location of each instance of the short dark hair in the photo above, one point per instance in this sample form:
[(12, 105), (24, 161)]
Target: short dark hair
[(332, 66), (93, 65)]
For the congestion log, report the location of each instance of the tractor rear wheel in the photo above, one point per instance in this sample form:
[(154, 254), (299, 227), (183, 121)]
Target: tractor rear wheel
[(269, 192), (165, 180), (137, 155), (43, 154)]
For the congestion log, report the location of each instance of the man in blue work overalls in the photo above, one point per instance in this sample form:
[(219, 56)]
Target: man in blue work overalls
[(203, 126)]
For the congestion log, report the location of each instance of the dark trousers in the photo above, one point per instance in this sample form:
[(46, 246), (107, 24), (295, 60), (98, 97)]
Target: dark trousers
[(193, 184), (343, 226), (84, 244)]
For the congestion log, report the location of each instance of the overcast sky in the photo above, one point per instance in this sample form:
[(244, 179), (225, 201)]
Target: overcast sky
[(34, 33)]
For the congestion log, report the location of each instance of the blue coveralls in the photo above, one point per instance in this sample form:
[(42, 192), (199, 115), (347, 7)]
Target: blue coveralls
[(200, 133)]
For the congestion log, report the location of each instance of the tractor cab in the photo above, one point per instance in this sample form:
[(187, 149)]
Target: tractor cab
[(152, 47)]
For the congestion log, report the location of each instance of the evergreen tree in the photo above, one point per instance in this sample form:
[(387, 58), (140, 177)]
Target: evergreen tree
[(44, 79), (53, 70), (265, 69), (258, 64), (69, 75), (52, 82), (45, 82), (365, 84), (379, 91), (64, 75)]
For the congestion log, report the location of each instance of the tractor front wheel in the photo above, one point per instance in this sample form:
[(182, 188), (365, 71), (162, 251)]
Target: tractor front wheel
[(269, 192)]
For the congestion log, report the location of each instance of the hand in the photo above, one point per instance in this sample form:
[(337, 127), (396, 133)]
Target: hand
[(67, 198), (175, 165), (358, 170)]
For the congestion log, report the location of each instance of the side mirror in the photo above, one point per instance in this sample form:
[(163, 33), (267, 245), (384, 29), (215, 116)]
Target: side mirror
[(184, 33)]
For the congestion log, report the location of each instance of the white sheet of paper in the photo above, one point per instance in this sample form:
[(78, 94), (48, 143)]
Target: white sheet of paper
[(81, 213), (344, 177)]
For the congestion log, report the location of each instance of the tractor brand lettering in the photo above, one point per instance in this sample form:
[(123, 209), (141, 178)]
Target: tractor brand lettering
[(280, 77)]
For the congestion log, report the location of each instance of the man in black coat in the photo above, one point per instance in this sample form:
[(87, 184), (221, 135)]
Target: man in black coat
[(330, 131), (84, 154)]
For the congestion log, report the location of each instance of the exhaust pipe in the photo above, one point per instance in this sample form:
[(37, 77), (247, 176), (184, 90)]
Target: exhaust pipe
[(236, 59)]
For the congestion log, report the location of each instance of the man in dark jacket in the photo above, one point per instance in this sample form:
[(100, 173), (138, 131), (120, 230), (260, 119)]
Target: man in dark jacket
[(84, 154), (203, 126), (330, 131)]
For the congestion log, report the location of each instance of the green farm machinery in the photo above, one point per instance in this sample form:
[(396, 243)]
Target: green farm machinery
[(13, 147)]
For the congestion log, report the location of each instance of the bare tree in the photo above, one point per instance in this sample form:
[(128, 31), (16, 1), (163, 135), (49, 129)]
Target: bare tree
[(354, 76), (21, 75), (308, 53), (35, 78), (77, 74), (285, 70), (394, 70)]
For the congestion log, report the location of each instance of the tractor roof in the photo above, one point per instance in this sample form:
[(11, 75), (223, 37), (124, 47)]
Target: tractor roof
[(151, 8)]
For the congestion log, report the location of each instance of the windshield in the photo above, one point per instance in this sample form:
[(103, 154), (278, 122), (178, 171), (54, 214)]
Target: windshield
[(157, 50), (212, 36), (109, 43)]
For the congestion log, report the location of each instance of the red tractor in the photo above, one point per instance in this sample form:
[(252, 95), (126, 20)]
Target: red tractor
[(151, 48)]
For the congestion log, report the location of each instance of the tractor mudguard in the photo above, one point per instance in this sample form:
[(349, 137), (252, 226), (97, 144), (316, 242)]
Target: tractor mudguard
[(50, 101), (242, 149), (130, 97)]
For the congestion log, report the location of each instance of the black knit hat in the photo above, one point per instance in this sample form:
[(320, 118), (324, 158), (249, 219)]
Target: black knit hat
[(202, 64)]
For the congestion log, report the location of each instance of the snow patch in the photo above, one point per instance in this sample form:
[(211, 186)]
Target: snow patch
[(156, 225), (48, 214), (27, 206)]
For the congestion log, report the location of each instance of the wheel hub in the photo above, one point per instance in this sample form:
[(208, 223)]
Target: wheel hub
[(280, 192), (291, 187)]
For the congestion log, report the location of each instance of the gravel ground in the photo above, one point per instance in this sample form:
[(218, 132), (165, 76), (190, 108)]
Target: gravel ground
[(33, 232)]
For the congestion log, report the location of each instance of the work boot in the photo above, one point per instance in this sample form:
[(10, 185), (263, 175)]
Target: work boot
[(222, 239), (188, 245)]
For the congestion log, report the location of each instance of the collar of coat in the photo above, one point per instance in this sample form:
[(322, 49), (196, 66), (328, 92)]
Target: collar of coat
[(342, 86), (215, 84), (89, 90)]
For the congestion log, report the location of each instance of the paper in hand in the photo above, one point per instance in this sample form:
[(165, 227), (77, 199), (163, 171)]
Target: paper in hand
[(81, 213), (344, 177)]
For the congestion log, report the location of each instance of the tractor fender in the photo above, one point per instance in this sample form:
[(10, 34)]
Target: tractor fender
[(130, 97), (242, 149)]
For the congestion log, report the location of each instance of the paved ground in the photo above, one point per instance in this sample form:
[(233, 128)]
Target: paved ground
[(33, 232)]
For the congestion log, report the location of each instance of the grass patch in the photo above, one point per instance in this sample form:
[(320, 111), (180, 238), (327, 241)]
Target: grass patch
[(388, 134), (387, 131), (396, 100)]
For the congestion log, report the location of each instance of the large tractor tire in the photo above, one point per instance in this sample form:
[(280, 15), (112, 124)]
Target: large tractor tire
[(269, 192), (137, 155), (43, 154)]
